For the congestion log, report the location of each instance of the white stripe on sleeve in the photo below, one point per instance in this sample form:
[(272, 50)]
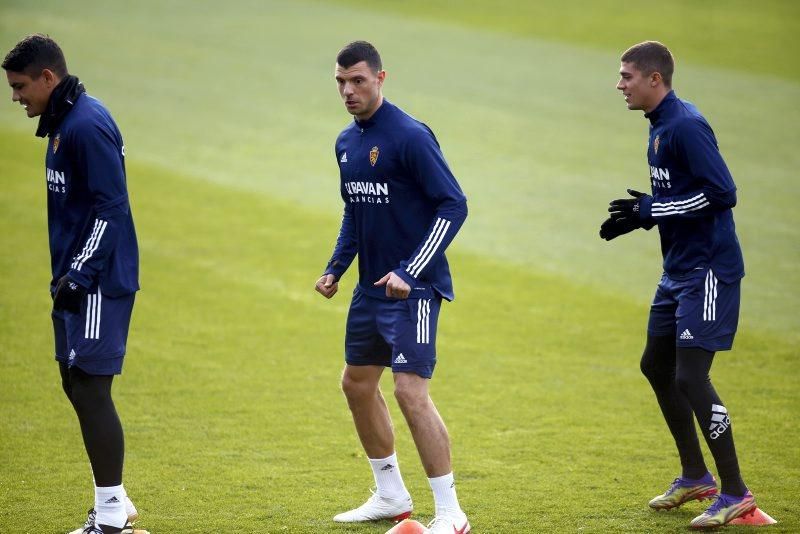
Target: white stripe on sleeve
[(677, 207), (427, 252), (97, 235)]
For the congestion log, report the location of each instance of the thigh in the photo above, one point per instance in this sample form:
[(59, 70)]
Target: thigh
[(363, 343), (409, 326), (97, 336), (662, 311), (708, 313)]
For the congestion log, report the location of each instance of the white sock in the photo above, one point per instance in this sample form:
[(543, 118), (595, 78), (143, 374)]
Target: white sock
[(109, 503), (387, 477), (444, 494)]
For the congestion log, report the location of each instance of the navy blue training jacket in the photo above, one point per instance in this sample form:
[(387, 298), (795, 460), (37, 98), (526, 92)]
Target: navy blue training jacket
[(92, 236), (402, 204), (693, 193)]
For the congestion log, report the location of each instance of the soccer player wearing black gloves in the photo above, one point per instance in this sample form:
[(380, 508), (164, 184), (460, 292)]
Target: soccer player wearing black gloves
[(94, 258), (696, 307)]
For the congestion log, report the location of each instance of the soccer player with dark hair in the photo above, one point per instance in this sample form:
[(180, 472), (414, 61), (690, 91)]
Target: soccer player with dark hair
[(696, 306), (94, 258), (403, 207)]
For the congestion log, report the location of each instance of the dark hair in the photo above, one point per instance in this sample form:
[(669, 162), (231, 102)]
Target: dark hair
[(35, 53), (650, 57), (359, 51)]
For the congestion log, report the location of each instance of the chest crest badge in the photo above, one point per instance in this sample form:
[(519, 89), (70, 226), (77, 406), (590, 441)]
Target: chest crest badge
[(56, 142), (373, 156), (656, 142)]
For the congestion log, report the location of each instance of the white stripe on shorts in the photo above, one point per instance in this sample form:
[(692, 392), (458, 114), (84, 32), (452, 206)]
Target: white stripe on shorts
[(423, 321), (93, 310), (710, 297)]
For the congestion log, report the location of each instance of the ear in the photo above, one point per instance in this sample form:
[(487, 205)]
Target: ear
[(381, 77), (50, 78), (656, 79)]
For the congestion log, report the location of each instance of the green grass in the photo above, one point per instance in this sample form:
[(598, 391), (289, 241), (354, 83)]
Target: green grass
[(756, 37), (233, 417)]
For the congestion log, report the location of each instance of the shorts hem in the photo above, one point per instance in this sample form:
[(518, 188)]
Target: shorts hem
[(424, 373), (102, 357), (364, 364), (711, 345)]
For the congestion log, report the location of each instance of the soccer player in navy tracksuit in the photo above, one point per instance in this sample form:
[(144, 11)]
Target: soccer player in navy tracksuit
[(696, 306), (94, 257), (402, 208)]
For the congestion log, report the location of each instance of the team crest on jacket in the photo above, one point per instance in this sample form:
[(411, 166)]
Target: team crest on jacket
[(656, 142), (373, 156), (56, 142)]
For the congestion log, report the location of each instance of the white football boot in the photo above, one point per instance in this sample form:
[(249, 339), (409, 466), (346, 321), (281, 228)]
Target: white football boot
[(133, 515), (377, 508), (449, 522)]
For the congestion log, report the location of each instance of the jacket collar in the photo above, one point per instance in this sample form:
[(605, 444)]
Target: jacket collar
[(378, 116), (666, 102), (61, 102)]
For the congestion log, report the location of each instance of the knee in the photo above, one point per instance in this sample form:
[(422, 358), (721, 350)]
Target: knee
[(357, 390), (409, 397), (688, 381), (658, 361), (90, 394), (656, 374)]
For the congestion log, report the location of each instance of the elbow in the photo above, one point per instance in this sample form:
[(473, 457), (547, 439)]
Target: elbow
[(727, 201)]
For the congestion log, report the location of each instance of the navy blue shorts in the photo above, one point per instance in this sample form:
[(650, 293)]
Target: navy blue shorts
[(400, 334), (700, 312), (94, 339)]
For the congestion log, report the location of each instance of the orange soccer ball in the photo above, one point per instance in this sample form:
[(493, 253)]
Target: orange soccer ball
[(408, 526)]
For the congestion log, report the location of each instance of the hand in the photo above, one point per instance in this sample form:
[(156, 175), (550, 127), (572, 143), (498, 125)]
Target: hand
[(68, 295), (327, 285), (627, 208), (611, 229), (396, 287)]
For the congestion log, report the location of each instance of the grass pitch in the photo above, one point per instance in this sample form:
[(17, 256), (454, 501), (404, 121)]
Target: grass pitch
[(230, 400)]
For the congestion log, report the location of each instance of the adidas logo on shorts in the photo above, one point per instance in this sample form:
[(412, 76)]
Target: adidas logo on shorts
[(686, 334), (400, 359)]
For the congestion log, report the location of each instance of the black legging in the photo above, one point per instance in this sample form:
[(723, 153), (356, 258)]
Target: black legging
[(680, 380), (100, 425)]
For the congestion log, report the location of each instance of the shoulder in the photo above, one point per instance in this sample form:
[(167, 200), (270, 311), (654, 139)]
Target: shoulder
[(410, 132), (691, 128), (346, 132), (410, 125), (687, 121), (89, 119)]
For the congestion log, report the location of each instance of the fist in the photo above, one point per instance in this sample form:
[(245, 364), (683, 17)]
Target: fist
[(327, 286)]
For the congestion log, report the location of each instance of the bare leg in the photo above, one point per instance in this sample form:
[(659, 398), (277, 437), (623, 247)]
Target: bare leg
[(370, 414), (427, 428)]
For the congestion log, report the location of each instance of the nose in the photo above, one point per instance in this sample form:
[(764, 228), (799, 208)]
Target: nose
[(15, 96), (348, 89), (620, 85)]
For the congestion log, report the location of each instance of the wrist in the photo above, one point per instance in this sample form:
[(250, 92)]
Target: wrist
[(407, 278), (645, 207), (82, 279)]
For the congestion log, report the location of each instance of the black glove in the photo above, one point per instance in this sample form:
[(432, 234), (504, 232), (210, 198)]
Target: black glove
[(614, 228), (68, 295), (626, 208)]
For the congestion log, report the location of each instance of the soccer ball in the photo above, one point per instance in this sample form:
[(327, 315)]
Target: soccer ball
[(408, 526)]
